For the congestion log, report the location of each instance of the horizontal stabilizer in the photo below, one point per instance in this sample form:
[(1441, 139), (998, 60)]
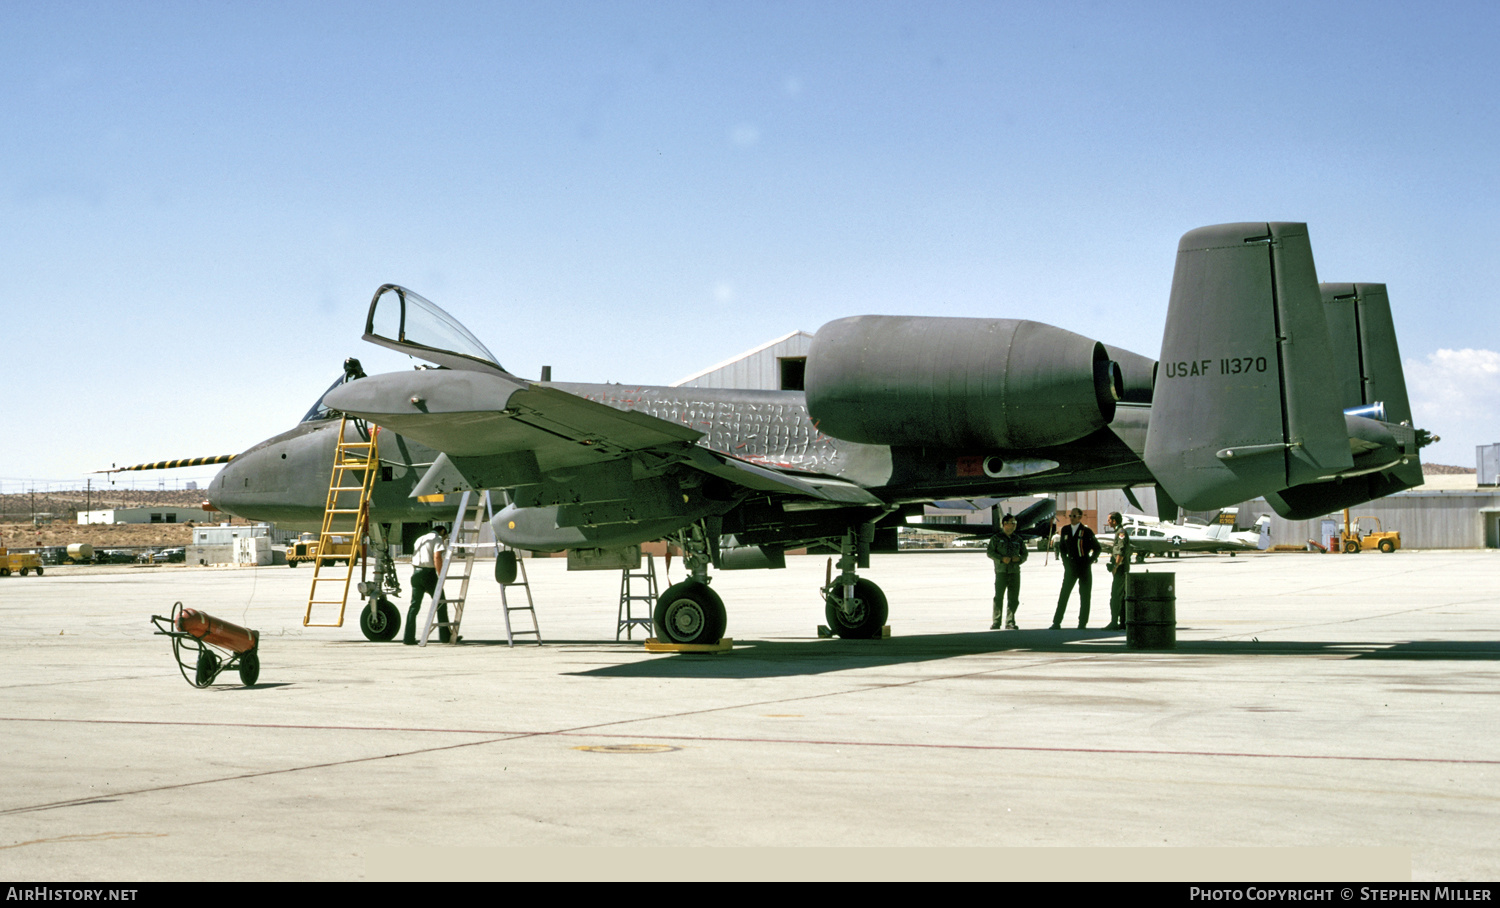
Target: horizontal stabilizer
[(1311, 500)]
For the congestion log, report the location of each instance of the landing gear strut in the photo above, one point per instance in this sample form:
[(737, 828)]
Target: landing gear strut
[(855, 607), (690, 612), (380, 621)]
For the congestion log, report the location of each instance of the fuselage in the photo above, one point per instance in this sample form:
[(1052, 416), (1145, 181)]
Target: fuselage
[(773, 429), (284, 479)]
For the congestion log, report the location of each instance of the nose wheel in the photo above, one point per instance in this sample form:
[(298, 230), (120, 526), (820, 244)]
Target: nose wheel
[(380, 621)]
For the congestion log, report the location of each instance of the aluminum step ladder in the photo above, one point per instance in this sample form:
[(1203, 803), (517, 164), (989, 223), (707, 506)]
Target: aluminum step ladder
[(463, 544), (626, 620), (530, 606), (345, 516)]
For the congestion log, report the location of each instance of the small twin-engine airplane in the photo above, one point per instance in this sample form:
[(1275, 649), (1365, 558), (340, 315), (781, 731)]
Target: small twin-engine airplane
[(1265, 386), (1158, 537)]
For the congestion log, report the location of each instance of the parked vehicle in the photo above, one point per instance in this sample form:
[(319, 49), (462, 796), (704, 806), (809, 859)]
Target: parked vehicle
[(21, 563), (1354, 541), (306, 549), (165, 556)]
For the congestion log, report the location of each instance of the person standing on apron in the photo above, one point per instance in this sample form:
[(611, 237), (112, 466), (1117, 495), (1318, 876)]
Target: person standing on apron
[(426, 560), (1119, 563), (1008, 551), (1078, 548)]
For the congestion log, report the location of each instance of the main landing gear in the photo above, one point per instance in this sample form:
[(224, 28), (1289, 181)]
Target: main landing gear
[(690, 612), (855, 607)]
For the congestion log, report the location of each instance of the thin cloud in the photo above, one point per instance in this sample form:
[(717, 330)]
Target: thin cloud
[(1456, 395), (744, 134)]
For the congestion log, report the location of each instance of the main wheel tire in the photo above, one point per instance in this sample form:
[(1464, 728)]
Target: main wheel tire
[(382, 624), (868, 616), (689, 612), (1140, 557), (249, 668), (1386, 546), (1351, 548)]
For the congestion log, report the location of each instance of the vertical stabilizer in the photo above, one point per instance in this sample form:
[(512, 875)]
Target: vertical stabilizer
[(1245, 402), (1371, 388)]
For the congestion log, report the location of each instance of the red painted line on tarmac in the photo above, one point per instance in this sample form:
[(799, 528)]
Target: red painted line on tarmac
[(112, 795), (585, 731)]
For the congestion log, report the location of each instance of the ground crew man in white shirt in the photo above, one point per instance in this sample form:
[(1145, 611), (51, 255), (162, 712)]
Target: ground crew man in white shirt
[(426, 560)]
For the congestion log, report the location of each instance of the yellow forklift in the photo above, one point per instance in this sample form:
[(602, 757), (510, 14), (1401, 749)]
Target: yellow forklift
[(1353, 542)]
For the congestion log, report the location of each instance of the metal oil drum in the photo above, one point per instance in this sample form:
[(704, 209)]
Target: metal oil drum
[(1151, 610)]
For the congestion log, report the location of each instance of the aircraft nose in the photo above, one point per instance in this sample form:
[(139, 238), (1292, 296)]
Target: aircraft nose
[(281, 480), (223, 489)]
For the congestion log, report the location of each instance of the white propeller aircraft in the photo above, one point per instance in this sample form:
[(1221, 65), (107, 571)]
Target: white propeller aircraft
[(1154, 537)]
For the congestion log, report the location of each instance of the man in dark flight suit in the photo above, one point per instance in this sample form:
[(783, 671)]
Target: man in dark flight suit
[(1078, 548)]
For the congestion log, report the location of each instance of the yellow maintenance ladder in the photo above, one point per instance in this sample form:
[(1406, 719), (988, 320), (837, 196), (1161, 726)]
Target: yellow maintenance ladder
[(355, 464)]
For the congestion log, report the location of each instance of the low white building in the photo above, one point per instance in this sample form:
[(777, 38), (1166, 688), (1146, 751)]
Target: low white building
[(144, 515)]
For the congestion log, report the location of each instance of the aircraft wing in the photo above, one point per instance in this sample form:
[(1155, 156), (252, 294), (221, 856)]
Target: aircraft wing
[(474, 414)]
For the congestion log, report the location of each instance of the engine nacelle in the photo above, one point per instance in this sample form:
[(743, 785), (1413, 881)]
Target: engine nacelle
[(958, 382)]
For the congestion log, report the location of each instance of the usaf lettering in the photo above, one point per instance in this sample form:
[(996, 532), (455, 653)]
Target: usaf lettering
[(1228, 366), (1188, 369)]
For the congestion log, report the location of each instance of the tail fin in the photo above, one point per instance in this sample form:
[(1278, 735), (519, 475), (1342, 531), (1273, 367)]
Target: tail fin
[(1263, 524), (1370, 379), (1251, 387), (1222, 525)]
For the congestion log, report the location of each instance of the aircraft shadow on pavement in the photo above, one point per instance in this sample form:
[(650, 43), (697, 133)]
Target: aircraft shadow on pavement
[(777, 658)]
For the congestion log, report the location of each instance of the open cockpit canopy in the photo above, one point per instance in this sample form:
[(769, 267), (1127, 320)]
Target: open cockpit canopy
[(407, 322)]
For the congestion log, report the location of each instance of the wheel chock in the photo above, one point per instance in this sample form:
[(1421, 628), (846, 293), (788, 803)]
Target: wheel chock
[(826, 633), (654, 645)]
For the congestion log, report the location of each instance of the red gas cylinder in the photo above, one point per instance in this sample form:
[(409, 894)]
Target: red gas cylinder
[(209, 629)]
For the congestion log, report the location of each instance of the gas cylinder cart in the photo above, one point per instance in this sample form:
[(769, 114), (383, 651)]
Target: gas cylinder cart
[(204, 646)]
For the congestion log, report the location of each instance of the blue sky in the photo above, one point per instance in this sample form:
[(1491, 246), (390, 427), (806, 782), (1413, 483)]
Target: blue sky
[(200, 198)]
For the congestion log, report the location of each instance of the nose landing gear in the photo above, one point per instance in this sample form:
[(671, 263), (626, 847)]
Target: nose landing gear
[(380, 621)]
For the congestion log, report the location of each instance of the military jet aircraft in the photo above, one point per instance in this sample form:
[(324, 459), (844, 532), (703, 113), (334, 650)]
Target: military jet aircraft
[(1260, 389), (1157, 537)]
